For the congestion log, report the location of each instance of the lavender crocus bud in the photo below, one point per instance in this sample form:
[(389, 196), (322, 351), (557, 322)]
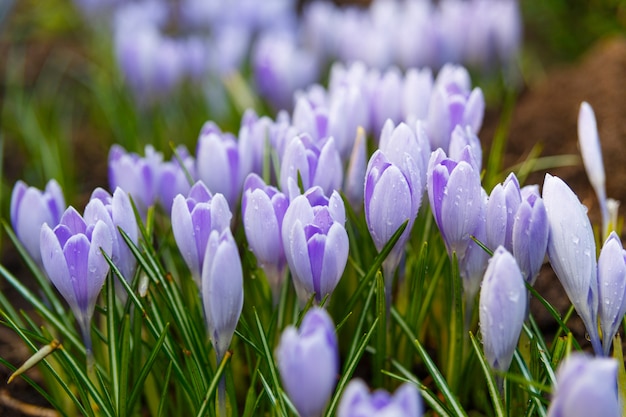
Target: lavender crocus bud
[(386, 100), (222, 289), (136, 175), (310, 114), (193, 219), (72, 257), (308, 361), (502, 309), (318, 163), (263, 208), (586, 386), (455, 194), (612, 289), (347, 112), (571, 250), (315, 242), (120, 215), (218, 164), (530, 233), (473, 264), (174, 179), (418, 85), (357, 401), (591, 152), (30, 208), (254, 141), (462, 137), (355, 173), (503, 203), (392, 197)]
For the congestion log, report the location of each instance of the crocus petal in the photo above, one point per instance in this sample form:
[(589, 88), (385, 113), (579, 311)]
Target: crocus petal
[(335, 258), (55, 264), (183, 230), (262, 228), (612, 289)]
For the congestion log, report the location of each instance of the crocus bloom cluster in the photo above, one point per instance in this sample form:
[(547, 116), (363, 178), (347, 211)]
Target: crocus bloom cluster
[(72, 257), (308, 361), (586, 386), (357, 401), (315, 242), (611, 289), (222, 288), (263, 208), (502, 309), (31, 208), (193, 220), (571, 250)]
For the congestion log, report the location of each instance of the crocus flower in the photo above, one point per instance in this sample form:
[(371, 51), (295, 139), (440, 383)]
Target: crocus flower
[(455, 195), (418, 85), (120, 215), (30, 208), (175, 179), (308, 361), (72, 257), (357, 401), (386, 99), (502, 207), (193, 219), (591, 152), (218, 164), (222, 289), (612, 289), (462, 137), (315, 242), (586, 386), (502, 309), (136, 175), (318, 163), (355, 173), (473, 264), (263, 208), (571, 250), (347, 112), (530, 233)]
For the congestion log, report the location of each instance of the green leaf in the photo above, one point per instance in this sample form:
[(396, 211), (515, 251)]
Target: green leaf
[(491, 381)]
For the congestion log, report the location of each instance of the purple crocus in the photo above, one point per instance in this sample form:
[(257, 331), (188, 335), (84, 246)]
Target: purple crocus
[(502, 207), (357, 401), (193, 219), (586, 386), (315, 242), (308, 361), (72, 257), (502, 309), (175, 179), (611, 288), (30, 208), (355, 173), (120, 215), (263, 208), (572, 252), (455, 196), (222, 288)]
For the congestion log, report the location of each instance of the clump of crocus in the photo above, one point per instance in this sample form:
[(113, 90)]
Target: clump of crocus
[(72, 257), (572, 252), (502, 309), (586, 386), (193, 219), (357, 401), (315, 242), (31, 208), (263, 208), (121, 216), (308, 361), (611, 289)]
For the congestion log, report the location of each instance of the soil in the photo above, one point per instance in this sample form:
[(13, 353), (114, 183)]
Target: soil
[(545, 113)]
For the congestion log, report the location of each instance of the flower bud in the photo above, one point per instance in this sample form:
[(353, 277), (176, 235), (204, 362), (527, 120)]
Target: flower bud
[(357, 401)]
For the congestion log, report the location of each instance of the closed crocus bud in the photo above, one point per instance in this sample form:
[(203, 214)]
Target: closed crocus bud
[(120, 215), (357, 401), (72, 257), (263, 208), (502, 309), (175, 179), (586, 386), (317, 163), (503, 203), (473, 264), (418, 85), (462, 137), (136, 175), (455, 195), (193, 219), (612, 289), (347, 112), (218, 164), (308, 361), (310, 114), (589, 142), (254, 141), (390, 201), (530, 233), (222, 289), (355, 174), (30, 208), (386, 99), (571, 250), (315, 242)]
